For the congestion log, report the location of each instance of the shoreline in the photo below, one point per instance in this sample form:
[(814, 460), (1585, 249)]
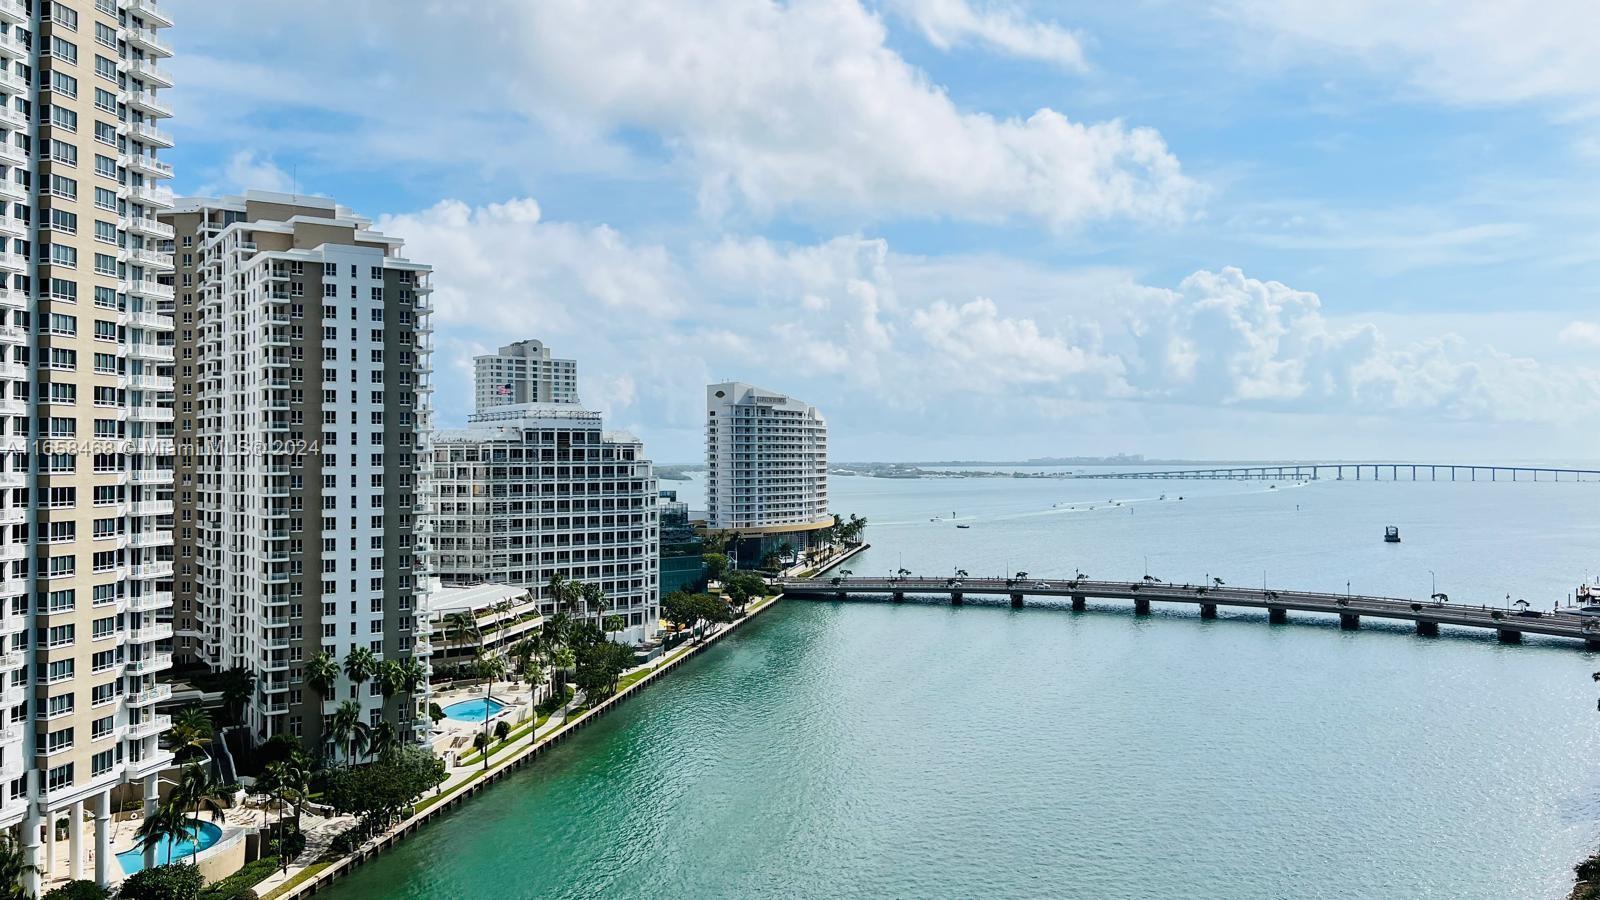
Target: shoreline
[(430, 807)]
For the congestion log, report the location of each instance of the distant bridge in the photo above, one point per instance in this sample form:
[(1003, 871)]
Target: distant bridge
[(1382, 471), (1508, 624)]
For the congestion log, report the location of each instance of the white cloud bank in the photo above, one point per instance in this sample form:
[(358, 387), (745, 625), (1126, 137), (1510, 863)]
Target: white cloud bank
[(766, 107), (831, 322)]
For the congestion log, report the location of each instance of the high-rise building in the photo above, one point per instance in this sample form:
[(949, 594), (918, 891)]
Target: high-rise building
[(524, 372), (305, 376), (767, 456), (86, 392), (527, 492)]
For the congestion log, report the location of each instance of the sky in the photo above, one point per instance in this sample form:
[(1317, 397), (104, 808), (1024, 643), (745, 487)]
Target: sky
[(966, 228)]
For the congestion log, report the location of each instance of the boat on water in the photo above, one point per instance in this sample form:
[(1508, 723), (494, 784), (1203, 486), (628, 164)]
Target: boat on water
[(963, 526), (1391, 535)]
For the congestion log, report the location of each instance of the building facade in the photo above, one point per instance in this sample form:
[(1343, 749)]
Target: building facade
[(86, 395), (683, 566), (303, 384), (524, 372), (767, 462), (527, 492)]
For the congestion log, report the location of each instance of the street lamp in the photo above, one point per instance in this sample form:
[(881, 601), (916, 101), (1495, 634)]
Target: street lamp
[(1435, 582)]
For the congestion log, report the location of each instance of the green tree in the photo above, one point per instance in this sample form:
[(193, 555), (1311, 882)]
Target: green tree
[(191, 731), (322, 673), (679, 609), (360, 666), (238, 685), (172, 882), (599, 667), (348, 729), (14, 867), (196, 790), (168, 822), (81, 889), (716, 565)]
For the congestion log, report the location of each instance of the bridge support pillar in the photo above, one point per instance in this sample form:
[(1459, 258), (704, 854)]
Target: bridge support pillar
[(1016, 601), (1208, 610), (1277, 615), (1592, 644), (1079, 603), (1508, 636), (1141, 607), (1427, 629), (899, 596), (956, 598), (1349, 621)]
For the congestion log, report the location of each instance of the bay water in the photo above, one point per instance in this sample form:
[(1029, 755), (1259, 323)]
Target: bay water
[(916, 750)]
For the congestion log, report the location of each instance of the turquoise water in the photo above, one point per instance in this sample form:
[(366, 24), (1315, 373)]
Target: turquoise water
[(920, 750), (475, 710), (203, 833)]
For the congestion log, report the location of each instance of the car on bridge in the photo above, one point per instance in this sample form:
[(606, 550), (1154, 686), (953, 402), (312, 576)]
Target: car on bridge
[(1042, 585)]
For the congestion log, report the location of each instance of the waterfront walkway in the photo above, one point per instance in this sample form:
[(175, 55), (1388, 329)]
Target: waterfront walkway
[(1509, 624)]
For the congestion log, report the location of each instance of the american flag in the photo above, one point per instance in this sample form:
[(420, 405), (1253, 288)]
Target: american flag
[(503, 390)]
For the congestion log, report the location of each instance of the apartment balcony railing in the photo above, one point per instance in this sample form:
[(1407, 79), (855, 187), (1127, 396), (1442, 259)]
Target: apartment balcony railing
[(148, 102), (148, 70), (150, 695), (156, 662), (151, 726), (150, 134), (147, 40)]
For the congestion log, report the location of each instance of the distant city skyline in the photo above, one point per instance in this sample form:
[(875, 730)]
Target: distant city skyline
[(973, 229)]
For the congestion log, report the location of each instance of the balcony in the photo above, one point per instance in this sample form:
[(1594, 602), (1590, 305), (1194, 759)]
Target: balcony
[(152, 320), (149, 634), (13, 11), (150, 727), (13, 261), (153, 601), (156, 662), (149, 351), (11, 81), (12, 47), (150, 414), (151, 383), (147, 226), (146, 40), (12, 660), (148, 10), (150, 695), (153, 570), (148, 164), (148, 102), (147, 70), (149, 196), (150, 134), (152, 508)]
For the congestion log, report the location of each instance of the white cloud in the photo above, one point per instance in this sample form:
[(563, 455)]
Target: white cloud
[(1582, 334), (1000, 26), (1461, 51), (764, 107), (244, 171), (867, 334)]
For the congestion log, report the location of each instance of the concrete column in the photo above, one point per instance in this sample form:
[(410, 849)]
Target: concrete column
[(1508, 636), (1349, 621), (1141, 606), (1079, 603), (899, 596), (1016, 601), (102, 839), (32, 841), (1277, 615), (75, 839), (1208, 610), (152, 799), (1427, 629), (956, 598), (1591, 645), (50, 844)]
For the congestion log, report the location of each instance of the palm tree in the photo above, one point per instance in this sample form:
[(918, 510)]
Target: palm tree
[(196, 788), (191, 731), (463, 625), (614, 624), (383, 738), (594, 599), (346, 719), (391, 678), (322, 673), (14, 867), (168, 822), (360, 666), (238, 685), (558, 591)]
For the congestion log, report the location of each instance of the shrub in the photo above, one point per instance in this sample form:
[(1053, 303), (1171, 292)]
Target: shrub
[(1589, 869), (502, 729), (178, 881), (239, 885), (78, 890)]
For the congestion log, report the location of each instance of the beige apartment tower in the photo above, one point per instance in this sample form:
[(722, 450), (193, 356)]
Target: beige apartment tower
[(303, 379), (85, 420)]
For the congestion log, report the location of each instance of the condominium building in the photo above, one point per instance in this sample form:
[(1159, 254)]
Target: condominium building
[(767, 456), (527, 492), (524, 372), (303, 418), (85, 419)]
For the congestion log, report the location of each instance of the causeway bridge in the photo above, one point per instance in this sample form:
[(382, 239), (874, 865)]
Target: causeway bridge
[(1369, 471), (1508, 624)]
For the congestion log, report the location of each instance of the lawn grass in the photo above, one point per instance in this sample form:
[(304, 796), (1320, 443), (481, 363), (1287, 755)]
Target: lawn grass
[(303, 875)]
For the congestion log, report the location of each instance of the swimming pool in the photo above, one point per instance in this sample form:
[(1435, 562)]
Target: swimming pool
[(475, 710), (166, 851)]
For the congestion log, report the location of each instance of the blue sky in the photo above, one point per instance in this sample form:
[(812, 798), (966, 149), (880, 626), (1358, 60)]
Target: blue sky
[(964, 227)]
